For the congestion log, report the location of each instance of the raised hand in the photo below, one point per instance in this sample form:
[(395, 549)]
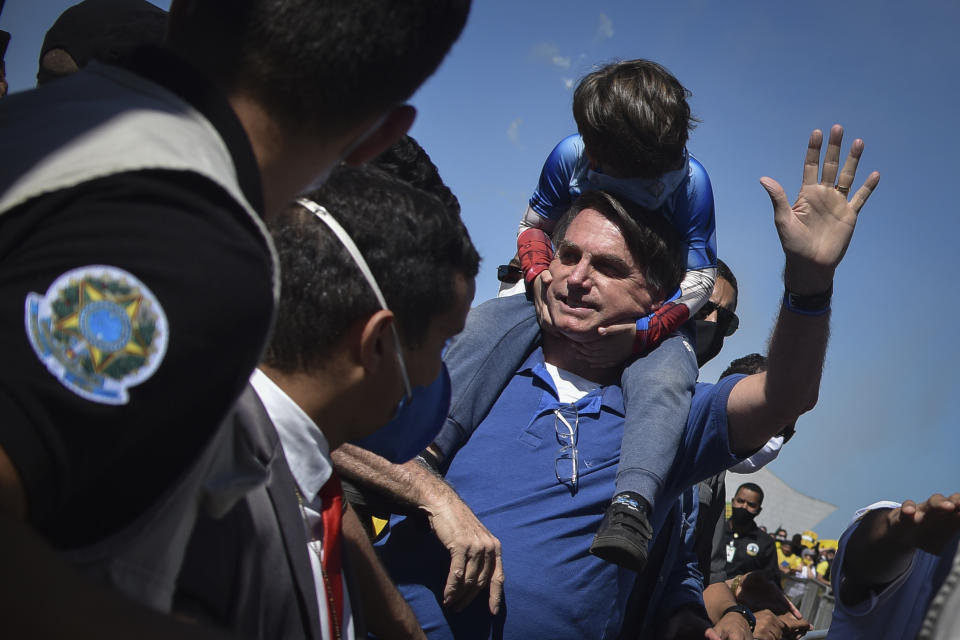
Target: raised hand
[(927, 526), (816, 230)]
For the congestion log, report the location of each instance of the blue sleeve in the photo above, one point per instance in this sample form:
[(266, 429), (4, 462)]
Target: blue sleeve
[(685, 584), (705, 444), (552, 197), (482, 359), (693, 215)]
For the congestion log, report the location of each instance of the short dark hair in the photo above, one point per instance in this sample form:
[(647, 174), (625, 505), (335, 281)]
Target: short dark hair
[(749, 365), (653, 242), (750, 486), (634, 118), (407, 160), (414, 248), (723, 271), (320, 64)]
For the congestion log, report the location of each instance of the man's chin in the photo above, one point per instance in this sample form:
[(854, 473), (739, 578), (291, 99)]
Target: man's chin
[(577, 329)]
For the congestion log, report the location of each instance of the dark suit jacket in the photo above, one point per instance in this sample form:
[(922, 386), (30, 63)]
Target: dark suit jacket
[(249, 571)]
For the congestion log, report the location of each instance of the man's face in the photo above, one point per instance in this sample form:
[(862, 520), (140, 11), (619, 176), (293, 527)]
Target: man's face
[(747, 499), (595, 280), (715, 320), (723, 296), (423, 363)]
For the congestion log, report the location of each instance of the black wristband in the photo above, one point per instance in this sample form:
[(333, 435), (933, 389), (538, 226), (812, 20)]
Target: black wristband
[(746, 613), (815, 304)]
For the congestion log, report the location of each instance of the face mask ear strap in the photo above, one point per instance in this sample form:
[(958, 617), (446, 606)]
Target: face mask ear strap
[(354, 252)]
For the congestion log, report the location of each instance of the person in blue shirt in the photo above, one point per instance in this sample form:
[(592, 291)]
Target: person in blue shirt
[(890, 563), (633, 120), (529, 457)]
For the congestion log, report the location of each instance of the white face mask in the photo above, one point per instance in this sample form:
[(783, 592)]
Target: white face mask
[(354, 252), (420, 415), (318, 181)]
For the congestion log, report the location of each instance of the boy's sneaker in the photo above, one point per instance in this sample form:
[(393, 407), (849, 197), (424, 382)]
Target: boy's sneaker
[(624, 532)]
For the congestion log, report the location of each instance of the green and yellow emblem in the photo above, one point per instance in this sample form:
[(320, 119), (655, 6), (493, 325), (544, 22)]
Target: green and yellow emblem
[(99, 330)]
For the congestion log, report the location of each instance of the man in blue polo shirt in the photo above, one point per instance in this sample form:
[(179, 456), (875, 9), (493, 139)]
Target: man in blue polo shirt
[(536, 467)]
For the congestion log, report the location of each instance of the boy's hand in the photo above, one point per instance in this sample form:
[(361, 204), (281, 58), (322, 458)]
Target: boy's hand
[(613, 347), (538, 291)]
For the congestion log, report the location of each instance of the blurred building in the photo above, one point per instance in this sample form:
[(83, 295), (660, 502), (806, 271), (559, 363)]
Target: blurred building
[(783, 506)]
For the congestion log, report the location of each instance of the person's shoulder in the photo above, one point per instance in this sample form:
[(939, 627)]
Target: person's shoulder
[(566, 153), (707, 392), (571, 144), (697, 171)]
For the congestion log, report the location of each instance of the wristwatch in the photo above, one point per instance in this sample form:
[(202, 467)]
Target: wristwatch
[(746, 613)]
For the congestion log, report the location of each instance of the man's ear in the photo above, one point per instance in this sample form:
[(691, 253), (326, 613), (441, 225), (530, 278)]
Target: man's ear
[(376, 342), (397, 123)]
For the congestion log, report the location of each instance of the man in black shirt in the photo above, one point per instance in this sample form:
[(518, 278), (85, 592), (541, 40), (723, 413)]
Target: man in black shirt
[(138, 285), (741, 546)]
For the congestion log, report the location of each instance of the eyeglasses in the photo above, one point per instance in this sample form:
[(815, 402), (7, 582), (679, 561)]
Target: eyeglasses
[(509, 273), (727, 319), (566, 421)]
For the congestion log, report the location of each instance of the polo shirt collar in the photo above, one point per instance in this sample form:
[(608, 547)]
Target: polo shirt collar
[(304, 445), (172, 72), (609, 397)]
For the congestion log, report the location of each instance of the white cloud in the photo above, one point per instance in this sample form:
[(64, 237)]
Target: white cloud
[(605, 28), (567, 82), (513, 131), (549, 52)]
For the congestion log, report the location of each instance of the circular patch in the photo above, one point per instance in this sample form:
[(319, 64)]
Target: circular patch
[(99, 331), (753, 549)]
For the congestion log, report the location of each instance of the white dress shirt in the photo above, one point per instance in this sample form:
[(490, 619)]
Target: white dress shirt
[(308, 456)]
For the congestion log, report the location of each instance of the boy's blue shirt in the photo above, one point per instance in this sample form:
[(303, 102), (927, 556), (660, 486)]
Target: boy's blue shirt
[(689, 207)]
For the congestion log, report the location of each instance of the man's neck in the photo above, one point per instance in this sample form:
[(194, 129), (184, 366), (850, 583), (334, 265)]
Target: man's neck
[(561, 352), (314, 399)]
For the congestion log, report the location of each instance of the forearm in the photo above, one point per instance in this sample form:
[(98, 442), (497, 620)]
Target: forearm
[(718, 598), (386, 613), (42, 597), (761, 405), (875, 555), (410, 484)]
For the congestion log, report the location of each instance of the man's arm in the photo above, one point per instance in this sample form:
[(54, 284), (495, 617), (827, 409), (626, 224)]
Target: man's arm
[(885, 541), (475, 561), (814, 232), (731, 626), (386, 613)]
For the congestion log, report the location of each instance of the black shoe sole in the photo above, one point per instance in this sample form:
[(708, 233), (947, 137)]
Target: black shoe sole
[(620, 552)]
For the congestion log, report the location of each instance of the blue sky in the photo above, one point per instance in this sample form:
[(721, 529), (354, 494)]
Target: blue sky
[(763, 75)]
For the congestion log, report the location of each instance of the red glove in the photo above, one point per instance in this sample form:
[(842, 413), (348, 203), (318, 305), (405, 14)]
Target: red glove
[(652, 329), (535, 252)]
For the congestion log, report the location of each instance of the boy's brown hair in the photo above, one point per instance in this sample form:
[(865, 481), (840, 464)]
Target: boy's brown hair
[(634, 118)]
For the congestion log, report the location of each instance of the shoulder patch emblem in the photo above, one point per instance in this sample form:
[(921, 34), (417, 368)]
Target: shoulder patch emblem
[(99, 331), (753, 549)]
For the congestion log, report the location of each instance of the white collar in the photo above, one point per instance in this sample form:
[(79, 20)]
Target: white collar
[(305, 447)]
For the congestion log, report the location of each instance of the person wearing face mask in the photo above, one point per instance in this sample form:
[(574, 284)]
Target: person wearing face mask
[(377, 276), (717, 318), (742, 547), (142, 279)]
